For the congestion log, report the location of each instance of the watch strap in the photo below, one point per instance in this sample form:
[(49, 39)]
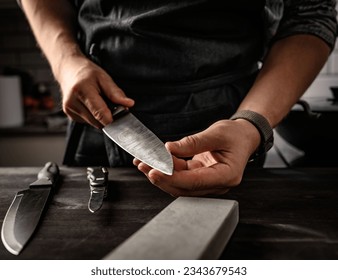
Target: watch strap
[(262, 125)]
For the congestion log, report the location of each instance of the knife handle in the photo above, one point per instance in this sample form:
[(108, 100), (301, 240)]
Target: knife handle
[(97, 176), (116, 110), (50, 172)]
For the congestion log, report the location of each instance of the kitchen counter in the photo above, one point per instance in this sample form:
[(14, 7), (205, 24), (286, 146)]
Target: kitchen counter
[(284, 214), (32, 145)]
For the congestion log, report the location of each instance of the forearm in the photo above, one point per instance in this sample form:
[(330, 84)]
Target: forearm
[(290, 67), (54, 26)]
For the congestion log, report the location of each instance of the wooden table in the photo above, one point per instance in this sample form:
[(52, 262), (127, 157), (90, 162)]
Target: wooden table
[(284, 214)]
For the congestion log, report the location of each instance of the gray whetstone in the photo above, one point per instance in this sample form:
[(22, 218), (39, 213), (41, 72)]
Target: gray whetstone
[(189, 228)]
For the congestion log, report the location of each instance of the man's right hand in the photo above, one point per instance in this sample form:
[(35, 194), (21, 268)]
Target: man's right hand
[(83, 83)]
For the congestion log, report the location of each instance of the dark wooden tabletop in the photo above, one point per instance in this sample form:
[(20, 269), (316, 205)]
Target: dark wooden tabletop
[(284, 214)]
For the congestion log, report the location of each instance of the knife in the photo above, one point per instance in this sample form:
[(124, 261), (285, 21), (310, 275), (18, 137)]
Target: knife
[(26, 209), (136, 139), (98, 179)]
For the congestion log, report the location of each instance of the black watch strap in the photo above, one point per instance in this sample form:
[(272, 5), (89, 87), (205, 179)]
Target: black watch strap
[(263, 127)]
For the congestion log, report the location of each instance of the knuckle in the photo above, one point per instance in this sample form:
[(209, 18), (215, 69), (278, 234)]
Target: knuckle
[(99, 114), (190, 140), (66, 110), (66, 106), (73, 90), (80, 95)]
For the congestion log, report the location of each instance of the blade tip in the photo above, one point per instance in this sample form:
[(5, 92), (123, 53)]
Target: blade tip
[(170, 172), (10, 249)]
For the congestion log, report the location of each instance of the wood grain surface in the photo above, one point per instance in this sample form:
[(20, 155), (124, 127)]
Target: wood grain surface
[(284, 214)]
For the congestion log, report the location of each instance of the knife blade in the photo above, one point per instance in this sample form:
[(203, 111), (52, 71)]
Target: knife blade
[(98, 179), (134, 137), (26, 210)]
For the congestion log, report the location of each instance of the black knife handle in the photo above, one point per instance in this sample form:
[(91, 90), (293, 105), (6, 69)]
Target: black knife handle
[(116, 110), (119, 111), (50, 172)]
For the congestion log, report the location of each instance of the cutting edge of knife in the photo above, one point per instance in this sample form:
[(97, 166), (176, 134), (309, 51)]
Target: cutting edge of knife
[(5, 222)]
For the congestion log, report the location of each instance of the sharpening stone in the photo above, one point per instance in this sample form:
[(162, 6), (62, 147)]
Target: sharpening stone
[(189, 228)]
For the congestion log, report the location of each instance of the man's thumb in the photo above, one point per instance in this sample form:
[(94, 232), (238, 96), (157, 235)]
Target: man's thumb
[(189, 145)]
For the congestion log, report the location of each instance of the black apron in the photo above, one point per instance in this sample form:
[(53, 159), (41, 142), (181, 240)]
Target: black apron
[(187, 64)]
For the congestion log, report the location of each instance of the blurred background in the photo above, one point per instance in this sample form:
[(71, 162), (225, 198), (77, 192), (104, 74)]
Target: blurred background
[(32, 126)]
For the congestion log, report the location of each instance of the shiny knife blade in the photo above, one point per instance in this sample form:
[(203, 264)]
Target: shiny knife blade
[(98, 180), (26, 210), (135, 138)]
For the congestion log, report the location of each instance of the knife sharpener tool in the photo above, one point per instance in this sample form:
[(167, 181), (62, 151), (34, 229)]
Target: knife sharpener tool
[(189, 228), (98, 180)]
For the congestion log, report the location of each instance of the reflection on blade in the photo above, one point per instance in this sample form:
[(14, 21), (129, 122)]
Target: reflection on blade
[(96, 200), (22, 218), (131, 135), (7, 236)]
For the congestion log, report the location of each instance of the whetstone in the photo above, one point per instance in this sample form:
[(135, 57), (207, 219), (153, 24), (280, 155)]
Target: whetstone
[(189, 228)]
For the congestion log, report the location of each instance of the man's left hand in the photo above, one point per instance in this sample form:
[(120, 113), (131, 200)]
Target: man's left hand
[(216, 160)]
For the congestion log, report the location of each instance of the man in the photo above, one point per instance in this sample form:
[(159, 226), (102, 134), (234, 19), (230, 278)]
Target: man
[(184, 68)]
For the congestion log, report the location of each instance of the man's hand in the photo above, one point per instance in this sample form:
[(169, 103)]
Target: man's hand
[(83, 84), (218, 158)]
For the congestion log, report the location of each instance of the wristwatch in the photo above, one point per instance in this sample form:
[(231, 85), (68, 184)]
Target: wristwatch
[(262, 126)]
